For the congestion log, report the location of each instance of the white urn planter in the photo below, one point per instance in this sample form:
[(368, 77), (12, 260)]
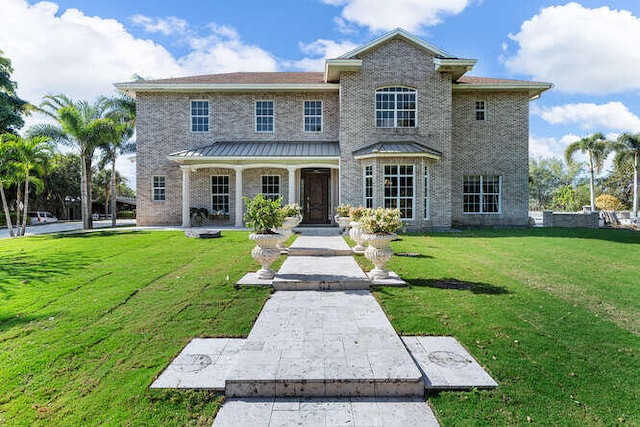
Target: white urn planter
[(265, 253), (378, 252), (286, 229), (343, 221), (355, 232)]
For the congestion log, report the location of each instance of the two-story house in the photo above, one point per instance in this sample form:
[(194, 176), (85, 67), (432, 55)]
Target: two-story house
[(394, 123)]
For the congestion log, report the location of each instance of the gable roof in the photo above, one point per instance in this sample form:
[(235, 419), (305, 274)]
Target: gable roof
[(398, 32)]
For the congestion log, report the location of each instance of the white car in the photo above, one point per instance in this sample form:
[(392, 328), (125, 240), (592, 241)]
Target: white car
[(40, 217)]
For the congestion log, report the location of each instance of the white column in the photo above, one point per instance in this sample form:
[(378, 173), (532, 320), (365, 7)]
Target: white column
[(186, 197), (238, 203), (292, 184)]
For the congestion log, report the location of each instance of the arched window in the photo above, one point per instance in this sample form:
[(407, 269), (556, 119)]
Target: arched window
[(396, 107)]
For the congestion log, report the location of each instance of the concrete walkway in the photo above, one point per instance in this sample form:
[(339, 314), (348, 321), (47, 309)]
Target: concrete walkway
[(324, 358)]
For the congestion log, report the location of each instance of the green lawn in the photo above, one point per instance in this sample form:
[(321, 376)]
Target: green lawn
[(87, 322)]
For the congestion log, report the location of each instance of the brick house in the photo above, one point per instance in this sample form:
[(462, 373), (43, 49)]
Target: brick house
[(393, 123)]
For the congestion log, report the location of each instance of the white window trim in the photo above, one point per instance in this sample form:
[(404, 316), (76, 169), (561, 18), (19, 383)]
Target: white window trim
[(364, 186), (499, 196), (255, 116), (395, 118), (211, 191), (426, 182), (279, 184), (208, 116), (153, 188), (475, 110), (413, 197), (321, 116)]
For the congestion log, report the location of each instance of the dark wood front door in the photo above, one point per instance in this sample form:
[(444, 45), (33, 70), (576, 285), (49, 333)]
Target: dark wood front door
[(316, 196)]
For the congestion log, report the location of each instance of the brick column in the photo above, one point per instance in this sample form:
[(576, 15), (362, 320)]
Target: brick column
[(238, 201), (186, 197)]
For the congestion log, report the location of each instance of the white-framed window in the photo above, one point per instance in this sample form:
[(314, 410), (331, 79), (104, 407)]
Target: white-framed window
[(481, 110), (482, 194), (199, 116), (220, 194), (368, 187), (396, 107), (271, 186), (264, 116), (399, 189), (159, 188), (426, 192), (313, 116)]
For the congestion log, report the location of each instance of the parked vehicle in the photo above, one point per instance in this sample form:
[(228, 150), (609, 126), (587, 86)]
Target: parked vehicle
[(41, 217)]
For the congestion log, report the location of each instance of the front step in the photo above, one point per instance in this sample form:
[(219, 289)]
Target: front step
[(320, 273), (325, 412), (323, 344), (320, 246)]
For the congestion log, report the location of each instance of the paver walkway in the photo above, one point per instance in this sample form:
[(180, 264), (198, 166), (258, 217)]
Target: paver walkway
[(324, 358)]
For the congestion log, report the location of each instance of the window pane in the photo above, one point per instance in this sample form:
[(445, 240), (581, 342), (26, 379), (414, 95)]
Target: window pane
[(199, 116), (399, 188), (271, 186), (264, 116), (396, 107)]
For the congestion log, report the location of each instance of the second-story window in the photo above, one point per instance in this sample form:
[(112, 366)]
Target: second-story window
[(313, 116), (199, 116), (481, 110), (396, 107), (264, 116)]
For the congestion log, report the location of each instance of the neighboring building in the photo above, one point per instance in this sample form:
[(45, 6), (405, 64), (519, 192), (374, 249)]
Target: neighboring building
[(394, 123)]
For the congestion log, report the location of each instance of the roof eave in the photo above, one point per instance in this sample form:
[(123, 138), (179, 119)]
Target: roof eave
[(132, 88), (396, 154), (534, 89), (184, 160), (457, 67), (334, 67)]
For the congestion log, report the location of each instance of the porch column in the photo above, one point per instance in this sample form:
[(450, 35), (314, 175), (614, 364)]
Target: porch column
[(186, 197), (292, 184), (238, 203)]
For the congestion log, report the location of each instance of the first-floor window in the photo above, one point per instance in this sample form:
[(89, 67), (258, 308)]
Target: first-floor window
[(220, 194), (426, 192), (271, 186), (368, 186), (482, 194), (399, 189), (159, 188)]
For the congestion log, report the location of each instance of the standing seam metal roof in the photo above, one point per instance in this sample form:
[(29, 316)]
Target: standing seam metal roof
[(263, 149)]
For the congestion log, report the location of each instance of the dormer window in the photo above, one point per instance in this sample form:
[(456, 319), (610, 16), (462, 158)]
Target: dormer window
[(396, 107)]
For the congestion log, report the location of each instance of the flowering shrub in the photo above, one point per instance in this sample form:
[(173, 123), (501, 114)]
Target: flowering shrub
[(292, 209), (356, 214), (381, 221), (607, 202), (343, 210), (263, 215)]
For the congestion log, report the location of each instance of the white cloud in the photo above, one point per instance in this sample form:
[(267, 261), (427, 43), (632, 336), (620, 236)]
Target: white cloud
[(166, 26), (383, 15), (613, 115), (546, 147), (581, 50), (318, 51)]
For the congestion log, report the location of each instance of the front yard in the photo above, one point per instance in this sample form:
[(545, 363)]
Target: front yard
[(87, 321)]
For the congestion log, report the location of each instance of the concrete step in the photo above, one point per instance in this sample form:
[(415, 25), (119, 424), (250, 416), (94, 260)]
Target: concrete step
[(357, 412), (320, 273), (332, 245), (323, 344)]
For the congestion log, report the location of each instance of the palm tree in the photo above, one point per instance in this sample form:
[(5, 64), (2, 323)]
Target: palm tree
[(597, 149), (31, 155), (7, 175), (122, 110), (628, 149), (83, 126)]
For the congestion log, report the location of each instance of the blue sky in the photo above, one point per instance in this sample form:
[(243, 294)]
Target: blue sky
[(589, 49)]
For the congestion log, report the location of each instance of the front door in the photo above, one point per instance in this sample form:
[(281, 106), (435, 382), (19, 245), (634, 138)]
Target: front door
[(316, 196)]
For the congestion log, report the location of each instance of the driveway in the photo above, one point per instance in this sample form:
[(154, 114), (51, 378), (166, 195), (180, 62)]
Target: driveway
[(61, 227)]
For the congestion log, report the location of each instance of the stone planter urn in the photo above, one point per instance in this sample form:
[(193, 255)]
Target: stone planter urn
[(378, 252), (355, 232), (286, 229), (343, 221), (265, 252)]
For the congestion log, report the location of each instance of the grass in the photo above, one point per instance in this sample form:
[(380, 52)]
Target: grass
[(553, 315), (88, 321)]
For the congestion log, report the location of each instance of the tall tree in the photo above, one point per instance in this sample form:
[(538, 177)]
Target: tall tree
[(61, 185), (83, 126), (11, 106), (597, 148), (7, 175), (628, 150), (546, 176), (122, 110), (31, 155)]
